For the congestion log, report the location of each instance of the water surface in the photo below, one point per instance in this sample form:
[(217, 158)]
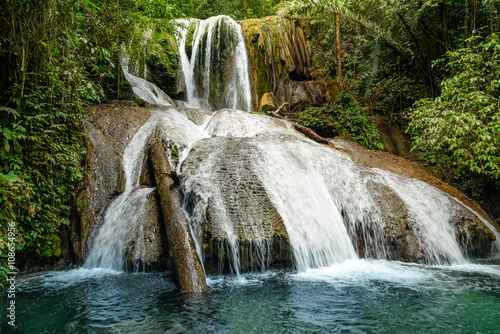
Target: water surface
[(359, 296)]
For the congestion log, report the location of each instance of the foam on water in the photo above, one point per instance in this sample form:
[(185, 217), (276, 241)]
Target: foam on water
[(64, 279), (365, 272)]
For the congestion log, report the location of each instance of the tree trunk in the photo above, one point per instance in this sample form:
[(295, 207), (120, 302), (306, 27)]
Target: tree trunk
[(338, 55), (187, 264)]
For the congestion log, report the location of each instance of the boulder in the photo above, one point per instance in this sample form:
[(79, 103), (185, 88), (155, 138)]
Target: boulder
[(108, 128), (238, 216), (267, 102)]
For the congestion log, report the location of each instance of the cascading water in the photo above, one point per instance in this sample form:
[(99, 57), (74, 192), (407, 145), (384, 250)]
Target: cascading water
[(215, 64), (109, 245), (330, 206), (146, 90), (108, 249), (326, 200), (232, 165)]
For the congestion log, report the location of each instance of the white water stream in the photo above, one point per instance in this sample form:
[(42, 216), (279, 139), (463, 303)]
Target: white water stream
[(109, 246), (323, 197)]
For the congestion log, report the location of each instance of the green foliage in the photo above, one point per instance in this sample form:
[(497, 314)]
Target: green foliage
[(343, 117), (236, 9), (419, 31), (461, 127), (163, 64)]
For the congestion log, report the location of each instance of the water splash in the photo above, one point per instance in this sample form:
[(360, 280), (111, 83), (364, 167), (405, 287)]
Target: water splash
[(109, 245), (215, 64), (108, 248)]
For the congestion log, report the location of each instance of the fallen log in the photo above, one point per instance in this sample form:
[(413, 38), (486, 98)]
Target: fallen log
[(309, 133), (187, 264), (302, 129)]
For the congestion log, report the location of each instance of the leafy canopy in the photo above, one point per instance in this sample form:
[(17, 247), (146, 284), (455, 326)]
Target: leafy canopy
[(461, 127)]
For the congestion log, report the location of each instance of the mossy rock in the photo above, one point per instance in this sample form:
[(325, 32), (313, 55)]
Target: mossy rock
[(163, 63), (54, 247)]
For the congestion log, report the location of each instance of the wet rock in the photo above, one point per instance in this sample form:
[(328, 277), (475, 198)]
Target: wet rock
[(147, 177), (473, 235), (238, 216), (108, 127), (148, 246), (281, 62), (197, 116), (397, 235)]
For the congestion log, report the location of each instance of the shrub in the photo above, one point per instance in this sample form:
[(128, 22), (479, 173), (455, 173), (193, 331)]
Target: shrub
[(343, 117), (460, 129)]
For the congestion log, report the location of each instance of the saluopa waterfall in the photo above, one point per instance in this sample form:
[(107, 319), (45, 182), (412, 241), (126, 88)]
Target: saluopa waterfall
[(330, 205)]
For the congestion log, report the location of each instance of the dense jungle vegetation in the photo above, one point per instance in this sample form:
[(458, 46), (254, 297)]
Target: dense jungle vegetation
[(430, 67)]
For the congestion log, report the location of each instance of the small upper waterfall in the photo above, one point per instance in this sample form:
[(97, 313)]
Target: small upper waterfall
[(215, 64)]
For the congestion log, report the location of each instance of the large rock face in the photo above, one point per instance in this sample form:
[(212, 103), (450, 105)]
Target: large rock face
[(281, 62), (246, 179), (238, 215), (109, 127)]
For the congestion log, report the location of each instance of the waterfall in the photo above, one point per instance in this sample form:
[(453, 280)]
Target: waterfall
[(239, 169), (328, 203), (109, 246), (146, 90), (214, 61)]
